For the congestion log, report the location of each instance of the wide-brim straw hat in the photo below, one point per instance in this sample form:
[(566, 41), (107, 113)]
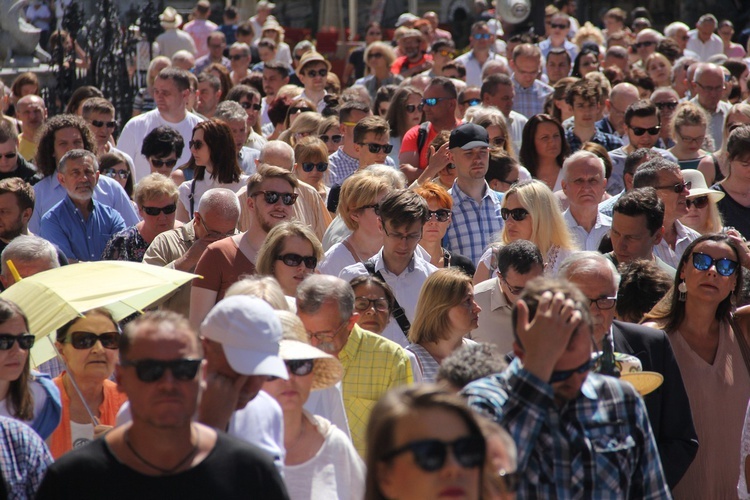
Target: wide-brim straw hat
[(170, 18), (699, 187)]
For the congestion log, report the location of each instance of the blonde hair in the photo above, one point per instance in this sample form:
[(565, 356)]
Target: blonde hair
[(262, 287), (688, 114), (441, 291), (154, 186), (588, 33), (271, 247), (306, 123), (359, 189), (386, 49), (488, 116), (548, 227)]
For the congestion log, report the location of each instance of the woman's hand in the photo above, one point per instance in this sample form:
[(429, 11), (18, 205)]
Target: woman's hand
[(100, 430), (741, 245)]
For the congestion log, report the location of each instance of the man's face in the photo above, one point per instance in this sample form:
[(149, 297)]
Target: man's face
[(584, 184), (216, 362), (706, 28), (585, 112), (681, 37), (208, 99), (79, 179), (366, 156), (597, 284), (313, 76), (169, 99), (444, 107), (648, 42), (526, 70), (268, 216), (399, 242), (502, 99), (710, 87), (558, 66), (348, 130), (642, 125), (410, 47), (631, 238), (616, 108), (326, 329), (576, 354), (471, 164), (8, 156), (251, 104), (67, 139), (465, 104), (512, 282), (240, 59), (216, 48), (272, 82), (99, 124), (481, 39), (12, 219), (674, 203), (239, 132), (559, 28), (32, 113)]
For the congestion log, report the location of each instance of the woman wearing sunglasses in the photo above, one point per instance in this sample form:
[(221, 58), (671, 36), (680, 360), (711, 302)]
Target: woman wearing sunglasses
[(703, 213), (689, 126), (304, 125), (403, 114), (156, 199), (320, 460), (379, 56), (311, 164), (115, 166), (25, 395), (707, 339), (531, 212), (329, 131), (89, 346), (411, 432), (290, 253)]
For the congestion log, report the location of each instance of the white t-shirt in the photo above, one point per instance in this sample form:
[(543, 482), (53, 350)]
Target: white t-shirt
[(329, 404), (40, 397), (336, 258), (202, 186), (131, 139)]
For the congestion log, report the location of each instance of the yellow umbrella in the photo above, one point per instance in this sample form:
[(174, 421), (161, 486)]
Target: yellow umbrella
[(52, 298)]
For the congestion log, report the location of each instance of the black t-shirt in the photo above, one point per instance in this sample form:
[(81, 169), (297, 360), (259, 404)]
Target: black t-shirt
[(233, 469), (733, 213)]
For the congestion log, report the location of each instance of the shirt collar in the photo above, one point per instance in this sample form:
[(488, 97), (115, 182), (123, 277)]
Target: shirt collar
[(497, 297), (349, 352)]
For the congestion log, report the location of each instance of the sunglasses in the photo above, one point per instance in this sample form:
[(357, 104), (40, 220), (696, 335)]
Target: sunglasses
[(374, 55), (376, 148), (697, 202), (236, 57), (643, 44), (297, 367), (363, 304), (151, 370), (113, 173), (430, 454), (560, 375), (639, 131), (666, 105), (724, 267), (677, 188), (331, 138), (446, 53), (441, 214), (481, 36), (518, 214), (431, 101), (247, 105), (197, 145), (309, 166), (163, 163), (313, 73), (154, 211), (25, 341), (100, 124), (294, 111), (471, 102), (272, 197), (9, 156), (294, 260), (87, 340), (558, 26)]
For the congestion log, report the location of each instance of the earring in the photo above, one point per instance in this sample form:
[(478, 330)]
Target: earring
[(682, 288)]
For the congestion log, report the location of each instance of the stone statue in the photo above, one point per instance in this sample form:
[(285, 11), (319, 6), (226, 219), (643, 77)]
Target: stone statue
[(19, 40)]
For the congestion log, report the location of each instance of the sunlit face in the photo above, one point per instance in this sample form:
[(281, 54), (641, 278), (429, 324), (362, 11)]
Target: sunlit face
[(290, 394), (587, 64), (502, 99), (464, 317), (313, 76), (517, 230), (584, 183), (710, 87), (691, 137), (372, 319), (200, 150), (158, 223), (79, 179), (527, 69), (95, 363), (165, 165), (67, 139), (434, 230), (267, 216), (32, 113), (444, 107), (12, 219), (290, 277), (696, 218), (249, 103), (548, 141), (399, 242), (239, 132), (558, 66), (659, 70), (169, 98), (367, 157), (645, 140), (597, 284), (674, 203), (272, 82), (103, 133), (328, 331), (470, 163), (512, 282), (208, 98), (13, 361), (585, 112), (631, 238), (314, 177), (709, 286)]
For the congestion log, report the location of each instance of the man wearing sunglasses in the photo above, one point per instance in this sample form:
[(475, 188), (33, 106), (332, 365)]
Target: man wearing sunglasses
[(99, 114), (549, 402), (161, 370), (668, 407), (12, 164), (312, 70), (558, 37), (482, 43), (443, 51), (645, 44), (709, 87)]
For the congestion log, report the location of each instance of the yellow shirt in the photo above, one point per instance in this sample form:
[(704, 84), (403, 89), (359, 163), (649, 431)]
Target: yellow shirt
[(27, 148), (372, 365)]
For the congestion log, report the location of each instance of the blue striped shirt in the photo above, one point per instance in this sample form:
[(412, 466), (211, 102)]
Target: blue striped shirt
[(530, 101), (24, 458), (473, 225)]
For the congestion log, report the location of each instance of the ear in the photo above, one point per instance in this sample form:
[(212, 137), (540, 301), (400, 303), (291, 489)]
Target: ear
[(61, 179), (26, 215), (658, 235), (353, 320), (564, 187), (251, 203), (357, 148), (494, 184)]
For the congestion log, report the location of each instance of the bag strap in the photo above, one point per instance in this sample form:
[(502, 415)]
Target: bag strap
[(191, 197), (398, 312), (742, 341)]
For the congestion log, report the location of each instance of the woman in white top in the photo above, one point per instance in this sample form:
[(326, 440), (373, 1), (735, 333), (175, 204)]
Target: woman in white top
[(290, 253), (311, 164), (214, 154), (320, 461)]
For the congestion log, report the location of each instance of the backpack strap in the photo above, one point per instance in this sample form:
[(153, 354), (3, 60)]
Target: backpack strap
[(191, 197), (398, 312)]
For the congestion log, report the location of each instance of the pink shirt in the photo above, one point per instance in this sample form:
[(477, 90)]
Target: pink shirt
[(199, 29)]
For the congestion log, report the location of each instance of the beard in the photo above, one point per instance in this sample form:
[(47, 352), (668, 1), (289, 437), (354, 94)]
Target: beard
[(12, 232)]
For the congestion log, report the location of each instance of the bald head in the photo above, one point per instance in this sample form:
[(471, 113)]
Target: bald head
[(32, 112), (277, 153), (621, 96)]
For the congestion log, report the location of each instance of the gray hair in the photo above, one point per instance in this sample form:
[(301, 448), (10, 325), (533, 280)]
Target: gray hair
[(230, 111), (587, 263), (672, 29), (305, 45), (318, 289), (262, 287), (245, 48), (578, 156), (277, 148), (28, 248), (706, 67), (647, 174), (222, 201), (395, 178), (74, 155)]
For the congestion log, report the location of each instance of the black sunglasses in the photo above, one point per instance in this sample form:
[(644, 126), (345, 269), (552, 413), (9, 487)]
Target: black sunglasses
[(100, 124), (411, 108), (697, 202), (272, 197), (703, 262), (441, 214), (639, 131), (666, 105), (643, 44), (310, 166), (294, 260), (196, 144), (87, 340), (154, 211), (560, 375), (518, 214), (313, 73), (376, 148), (236, 57), (113, 173), (296, 367), (430, 454), (247, 105), (677, 188), (25, 341), (163, 163), (151, 370), (9, 156), (331, 138)]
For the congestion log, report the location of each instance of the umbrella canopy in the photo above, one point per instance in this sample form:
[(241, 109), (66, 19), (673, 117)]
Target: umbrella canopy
[(52, 298)]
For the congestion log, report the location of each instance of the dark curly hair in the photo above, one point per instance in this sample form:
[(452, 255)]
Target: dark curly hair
[(45, 153)]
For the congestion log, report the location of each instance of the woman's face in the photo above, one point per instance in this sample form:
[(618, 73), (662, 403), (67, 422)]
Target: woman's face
[(164, 219), (413, 117), (739, 167), (272, 34), (95, 362), (497, 137), (200, 150), (548, 141), (248, 103), (691, 137), (367, 219), (28, 89), (314, 177), (376, 59), (448, 175), (13, 361), (709, 286), (464, 317), (733, 120), (696, 217), (333, 133), (291, 394), (402, 478), (659, 71), (434, 230), (290, 277), (375, 318), (116, 172), (517, 230), (374, 34), (587, 64)]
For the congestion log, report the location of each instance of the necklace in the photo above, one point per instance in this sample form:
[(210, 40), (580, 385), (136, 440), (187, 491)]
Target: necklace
[(156, 467)]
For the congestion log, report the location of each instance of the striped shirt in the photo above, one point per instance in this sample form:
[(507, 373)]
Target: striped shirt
[(24, 458), (473, 225), (341, 166), (530, 101)]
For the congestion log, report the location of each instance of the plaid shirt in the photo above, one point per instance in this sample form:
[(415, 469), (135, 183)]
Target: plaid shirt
[(473, 225), (599, 445), (24, 458), (372, 365), (530, 101), (608, 141), (341, 166)]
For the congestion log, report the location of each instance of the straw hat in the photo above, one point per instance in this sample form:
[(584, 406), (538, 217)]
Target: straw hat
[(170, 18), (699, 186), (327, 371), (631, 371)]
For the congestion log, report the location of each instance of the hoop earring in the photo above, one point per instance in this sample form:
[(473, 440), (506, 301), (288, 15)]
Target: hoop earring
[(682, 288)]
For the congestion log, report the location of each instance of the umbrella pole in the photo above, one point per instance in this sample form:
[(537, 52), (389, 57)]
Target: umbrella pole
[(94, 420)]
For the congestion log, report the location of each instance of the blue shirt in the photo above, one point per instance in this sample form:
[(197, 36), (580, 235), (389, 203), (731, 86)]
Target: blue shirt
[(599, 445), (108, 191), (530, 101), (546, 46), (24, 458), (473, 225), (79, 238), (341, 166), (608, 141)]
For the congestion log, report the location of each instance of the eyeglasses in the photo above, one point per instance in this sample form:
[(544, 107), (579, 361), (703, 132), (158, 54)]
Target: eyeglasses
[(247, 105), (300, 367), (430, 454), (236, 57), (362, 304), (163, 163), (604, 303), (313, 73), (441, 214), (639, 131), (409, 238), (310, 166), (151, 370), (709, 88), (560, 375), (154, 211), (331, 138), (327, 335), (481, 36), (703, 262), (677, 188), (666, 105), (372, 55), (9, 156), (25, 341), (643, 44), (375, 148), (217, 234), (558, 26), (514, 290), (294, 111), (446, 53), (294, 260), (431, 101), (113, 173), (87, 340), (272, 197), (196, 145), (518, 214), (692, 140), (100, 124), (471, 102), (697, 202)]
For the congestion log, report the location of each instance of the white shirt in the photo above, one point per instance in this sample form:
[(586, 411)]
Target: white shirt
[(131, 139), (495, 323), (516, 122), (336, 259), (685, 236), (713, 46), (329, 404), (474, 68), (202, 186), (588, 240)]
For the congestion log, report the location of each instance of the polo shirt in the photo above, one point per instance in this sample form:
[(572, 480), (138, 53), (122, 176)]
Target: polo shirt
[(341, 166)]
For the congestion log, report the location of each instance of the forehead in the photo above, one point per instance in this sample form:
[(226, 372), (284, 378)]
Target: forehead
[(643, 121), (373, 137), (658, 97), (711, 75), (594, 282), (102, 114), (435, 91), (628, 224), (585, 167), (669, 177), (162, 342), (276, 184), (165, 84), (68, 134), (646, 37), (317, 65), (79, 163)]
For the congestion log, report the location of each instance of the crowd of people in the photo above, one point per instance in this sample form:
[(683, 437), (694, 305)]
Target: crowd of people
[(513, 269)]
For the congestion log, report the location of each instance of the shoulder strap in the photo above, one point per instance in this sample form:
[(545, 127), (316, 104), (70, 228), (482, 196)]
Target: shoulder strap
[(398, 312), (191, 197), (424, 129), (742, 341)]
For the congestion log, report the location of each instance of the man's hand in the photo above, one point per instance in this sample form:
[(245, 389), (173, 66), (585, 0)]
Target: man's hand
[(219, 399), (188, 261)]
